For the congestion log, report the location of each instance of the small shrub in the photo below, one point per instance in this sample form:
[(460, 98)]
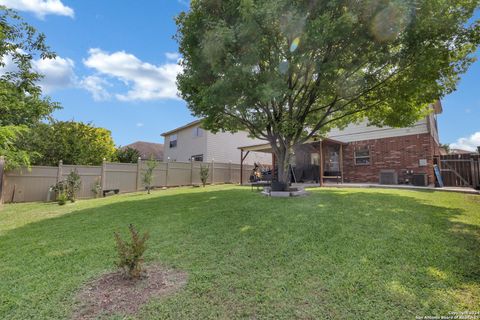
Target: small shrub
[(130, 254), (74, 183), (148, 175), (62, 199), (204, 174), (97, 188), (60, 189)]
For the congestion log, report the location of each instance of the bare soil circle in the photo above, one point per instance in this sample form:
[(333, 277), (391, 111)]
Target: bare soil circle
[(113, 293)]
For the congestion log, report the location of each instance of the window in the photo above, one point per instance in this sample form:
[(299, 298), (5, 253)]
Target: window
[(197, 132), (315, 159), (362, 156), (198, 157), (173, 141)]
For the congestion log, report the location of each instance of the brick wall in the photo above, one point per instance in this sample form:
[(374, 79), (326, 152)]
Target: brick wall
[(398, 153)]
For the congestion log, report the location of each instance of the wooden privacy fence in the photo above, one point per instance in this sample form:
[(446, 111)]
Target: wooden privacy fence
[(33, 184), (460, 170)]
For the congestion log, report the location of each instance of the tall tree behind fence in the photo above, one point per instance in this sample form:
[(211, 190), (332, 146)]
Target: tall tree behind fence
[(33, 184)]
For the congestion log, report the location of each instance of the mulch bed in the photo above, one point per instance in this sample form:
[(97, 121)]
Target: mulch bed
[(113, 293)]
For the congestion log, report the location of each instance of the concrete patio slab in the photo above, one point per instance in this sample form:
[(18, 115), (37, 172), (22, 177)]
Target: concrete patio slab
[(384, 186)]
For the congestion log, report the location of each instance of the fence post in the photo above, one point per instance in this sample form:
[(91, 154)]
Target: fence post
[(104, 174), (166, 176), (474, 175), (213, 171), (139, 173), (191, 171), (60, 171), (230, 172), (2, 179)]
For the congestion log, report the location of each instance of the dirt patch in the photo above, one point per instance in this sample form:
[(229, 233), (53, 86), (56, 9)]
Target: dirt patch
[(113, 293)]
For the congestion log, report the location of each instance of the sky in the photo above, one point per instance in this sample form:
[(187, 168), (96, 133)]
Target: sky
[(117, 62)]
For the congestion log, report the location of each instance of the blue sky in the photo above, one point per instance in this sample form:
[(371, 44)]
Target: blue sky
[(116, 67)]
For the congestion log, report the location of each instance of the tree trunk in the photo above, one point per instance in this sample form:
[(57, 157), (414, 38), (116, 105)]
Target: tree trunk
[(283, 160)]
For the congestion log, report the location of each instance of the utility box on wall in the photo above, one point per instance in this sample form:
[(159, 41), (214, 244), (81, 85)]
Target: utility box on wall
[(422, 162), (420, 179)]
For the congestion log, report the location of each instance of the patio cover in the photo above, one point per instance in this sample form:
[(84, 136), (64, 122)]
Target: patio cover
[(267, 148)]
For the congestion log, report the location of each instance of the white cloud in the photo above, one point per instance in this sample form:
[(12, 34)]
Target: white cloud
[(58, 73), (96, 86), (40, 8), (470, 143), (8, 65), (175, 56), (139, 124), (145, 81)]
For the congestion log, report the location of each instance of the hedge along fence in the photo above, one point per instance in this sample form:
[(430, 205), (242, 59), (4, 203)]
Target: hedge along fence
[(33, 184)]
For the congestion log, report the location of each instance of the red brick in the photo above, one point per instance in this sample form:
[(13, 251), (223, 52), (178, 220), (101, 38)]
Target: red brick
[(398, 153)]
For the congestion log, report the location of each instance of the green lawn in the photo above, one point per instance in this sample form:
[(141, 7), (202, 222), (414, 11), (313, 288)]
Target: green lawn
[(336, 254)]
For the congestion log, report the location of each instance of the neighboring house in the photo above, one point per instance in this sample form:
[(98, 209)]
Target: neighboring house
[(361, 153), (148, 150), (191, 142)]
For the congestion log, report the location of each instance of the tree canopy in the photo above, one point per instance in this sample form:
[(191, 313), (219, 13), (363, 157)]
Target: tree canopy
[(21, 103), (127, 155), (288, 71), (70, 141)]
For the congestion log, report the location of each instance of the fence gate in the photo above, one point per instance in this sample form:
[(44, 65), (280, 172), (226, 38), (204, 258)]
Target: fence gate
[(460, 170)]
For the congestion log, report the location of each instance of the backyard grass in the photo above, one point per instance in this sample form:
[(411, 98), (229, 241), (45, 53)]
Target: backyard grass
[(336, 254)]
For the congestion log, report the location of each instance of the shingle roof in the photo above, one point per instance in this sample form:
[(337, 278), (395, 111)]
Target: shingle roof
[(148, 149), (182, 127)]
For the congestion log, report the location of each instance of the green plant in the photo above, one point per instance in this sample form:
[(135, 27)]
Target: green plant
[(148, 174), (204, 174), (127, 155), (60, 189), (97, 188), (73, 142), (73, 183), (130, 254), (68, 188), (22, 104), (62, 199)]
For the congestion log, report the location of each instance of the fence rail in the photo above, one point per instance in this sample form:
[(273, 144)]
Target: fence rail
[(460, 170), (33, 184)]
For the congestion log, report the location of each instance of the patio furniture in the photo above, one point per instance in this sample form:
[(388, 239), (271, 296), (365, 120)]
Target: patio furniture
[(261, 184)]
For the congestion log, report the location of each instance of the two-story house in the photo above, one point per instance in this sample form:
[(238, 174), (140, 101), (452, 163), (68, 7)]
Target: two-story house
[(191, 142)]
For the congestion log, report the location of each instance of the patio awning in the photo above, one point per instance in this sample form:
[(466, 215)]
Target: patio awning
[(267, 148), (264, 147)]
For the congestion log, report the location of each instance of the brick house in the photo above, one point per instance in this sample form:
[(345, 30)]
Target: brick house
[(368, 154)]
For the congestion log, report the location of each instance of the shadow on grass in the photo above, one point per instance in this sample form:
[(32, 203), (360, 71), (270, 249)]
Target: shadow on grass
[(333, 254)]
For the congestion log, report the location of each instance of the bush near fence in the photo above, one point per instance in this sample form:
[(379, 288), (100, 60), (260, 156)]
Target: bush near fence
[(33, 184)]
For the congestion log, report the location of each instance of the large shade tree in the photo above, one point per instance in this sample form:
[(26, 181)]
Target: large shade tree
[(22, 105), (287, 71)]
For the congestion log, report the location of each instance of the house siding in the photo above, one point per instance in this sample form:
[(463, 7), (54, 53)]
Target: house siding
[(397, 153), (223, 147), (187, 146), (362, 131)]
